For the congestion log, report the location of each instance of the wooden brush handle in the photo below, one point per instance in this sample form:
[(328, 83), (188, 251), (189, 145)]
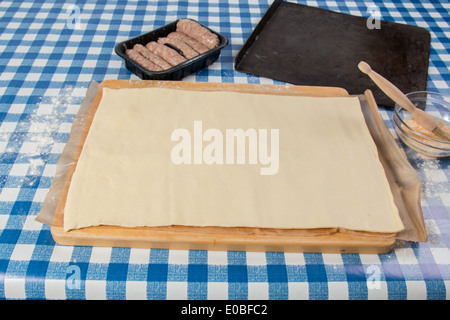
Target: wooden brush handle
[(423, 118)]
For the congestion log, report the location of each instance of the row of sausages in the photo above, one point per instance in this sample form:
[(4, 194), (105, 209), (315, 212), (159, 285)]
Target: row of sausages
[(188, 41)]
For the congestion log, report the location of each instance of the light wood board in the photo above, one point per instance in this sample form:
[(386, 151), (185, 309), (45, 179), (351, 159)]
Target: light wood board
[(214, 238)]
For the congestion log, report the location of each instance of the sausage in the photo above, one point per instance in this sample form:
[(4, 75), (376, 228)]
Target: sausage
[(136, 56), (168, 54), (188, 51), (198, 32), (194, 44), (163, 64)]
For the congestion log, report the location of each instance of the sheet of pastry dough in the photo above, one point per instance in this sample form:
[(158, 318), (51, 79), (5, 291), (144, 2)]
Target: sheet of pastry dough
[(329, 172)]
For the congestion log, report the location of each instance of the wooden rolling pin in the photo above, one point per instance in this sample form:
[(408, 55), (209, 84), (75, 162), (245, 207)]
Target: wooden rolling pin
[(439, 128)]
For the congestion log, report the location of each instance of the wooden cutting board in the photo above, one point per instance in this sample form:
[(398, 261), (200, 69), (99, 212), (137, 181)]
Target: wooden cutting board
[(218, 238)]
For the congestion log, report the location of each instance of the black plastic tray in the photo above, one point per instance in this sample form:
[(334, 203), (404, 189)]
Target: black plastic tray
[(305, 45), (176, 72)]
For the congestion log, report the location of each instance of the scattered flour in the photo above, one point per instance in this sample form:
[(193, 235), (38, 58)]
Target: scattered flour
[(434, 188), (43, 126), (430, 171), (47, 120)]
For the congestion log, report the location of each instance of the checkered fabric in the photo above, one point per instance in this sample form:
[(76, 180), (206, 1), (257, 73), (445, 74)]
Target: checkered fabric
[(49, 53)]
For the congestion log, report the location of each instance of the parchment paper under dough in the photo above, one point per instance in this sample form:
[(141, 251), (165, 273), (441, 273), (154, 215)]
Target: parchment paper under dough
[(329, 172)]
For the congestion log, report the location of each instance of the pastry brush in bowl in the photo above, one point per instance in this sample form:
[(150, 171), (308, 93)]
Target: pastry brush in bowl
[(439, 128)]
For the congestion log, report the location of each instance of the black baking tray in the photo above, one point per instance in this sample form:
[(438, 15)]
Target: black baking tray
[(304, 45), (177, 72)]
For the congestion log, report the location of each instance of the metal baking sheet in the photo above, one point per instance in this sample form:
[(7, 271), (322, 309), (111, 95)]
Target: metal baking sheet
[(304, 45)]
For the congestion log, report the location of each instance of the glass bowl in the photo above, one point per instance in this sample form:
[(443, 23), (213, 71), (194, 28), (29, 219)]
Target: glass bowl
[(416, 137)]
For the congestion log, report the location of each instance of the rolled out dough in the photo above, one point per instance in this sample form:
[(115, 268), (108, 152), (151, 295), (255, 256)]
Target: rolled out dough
[(329, 173)]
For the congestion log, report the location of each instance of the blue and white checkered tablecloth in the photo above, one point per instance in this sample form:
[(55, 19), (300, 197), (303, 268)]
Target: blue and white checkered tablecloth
[(49, 53)]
